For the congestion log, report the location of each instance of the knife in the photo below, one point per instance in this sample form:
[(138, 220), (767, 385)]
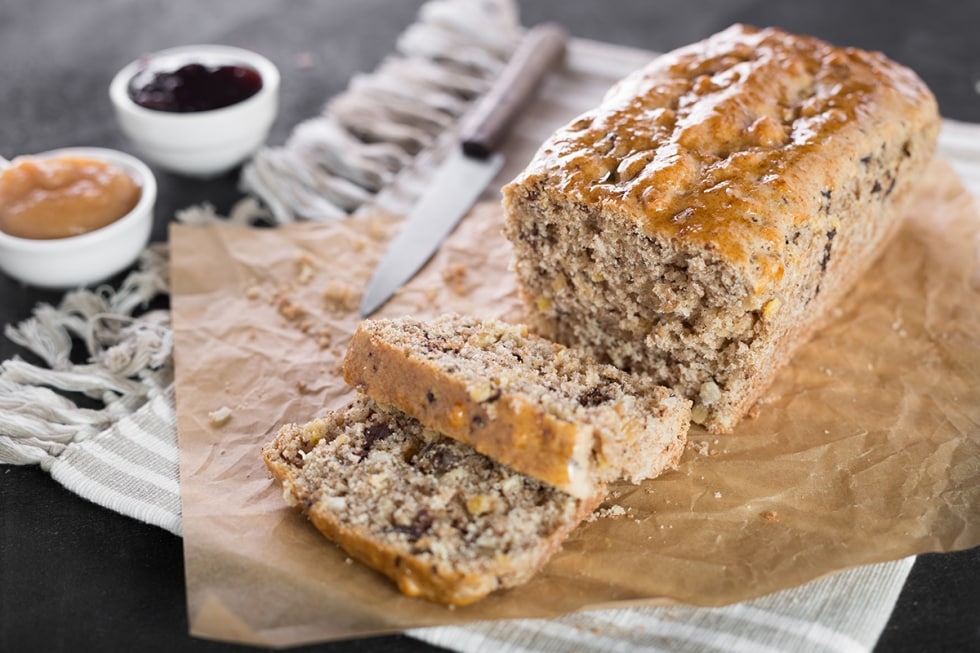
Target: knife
[(467, 169)]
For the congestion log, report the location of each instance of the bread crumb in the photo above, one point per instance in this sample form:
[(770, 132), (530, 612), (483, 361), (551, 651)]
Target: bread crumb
[(455, 278), (220, 417), (717, 494), (377, 229), (899, 327), (699, 447), (303, 388), (324, 338), (305, 274), (306, 267), (339, 297), (304, 60), (770, 515), (613, 511), (253, 292), (289, 309)]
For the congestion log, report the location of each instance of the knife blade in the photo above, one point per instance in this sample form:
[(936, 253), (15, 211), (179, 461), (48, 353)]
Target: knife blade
[(468, 168)]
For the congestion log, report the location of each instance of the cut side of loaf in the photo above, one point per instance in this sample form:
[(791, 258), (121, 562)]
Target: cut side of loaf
[(699, 223), (546, 410), (443, 521)]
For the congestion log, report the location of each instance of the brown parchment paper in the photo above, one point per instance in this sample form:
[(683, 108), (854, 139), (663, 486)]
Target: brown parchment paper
[(865, 449)]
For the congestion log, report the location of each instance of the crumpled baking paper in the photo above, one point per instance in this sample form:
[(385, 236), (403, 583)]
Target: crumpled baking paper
[(866, 448)]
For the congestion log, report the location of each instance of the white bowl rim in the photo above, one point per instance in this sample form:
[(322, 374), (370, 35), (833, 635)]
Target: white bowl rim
[(148, 192), (267, 70)]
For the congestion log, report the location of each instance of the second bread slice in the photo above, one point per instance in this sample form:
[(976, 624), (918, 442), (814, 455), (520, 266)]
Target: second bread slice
[(546, 410), (444, 522)]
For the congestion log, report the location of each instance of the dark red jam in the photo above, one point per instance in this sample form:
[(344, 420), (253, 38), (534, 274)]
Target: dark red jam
[(195, 87)]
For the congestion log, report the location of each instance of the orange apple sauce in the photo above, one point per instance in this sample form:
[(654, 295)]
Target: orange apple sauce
[(58, 197)]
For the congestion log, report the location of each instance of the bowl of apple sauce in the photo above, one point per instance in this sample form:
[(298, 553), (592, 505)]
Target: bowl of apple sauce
[(74, 216)]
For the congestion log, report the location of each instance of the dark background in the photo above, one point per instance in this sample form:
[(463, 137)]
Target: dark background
[(76, 577)]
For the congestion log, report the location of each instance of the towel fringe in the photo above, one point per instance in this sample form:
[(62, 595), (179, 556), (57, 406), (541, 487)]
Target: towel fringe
[(386, 122), (129, 360)]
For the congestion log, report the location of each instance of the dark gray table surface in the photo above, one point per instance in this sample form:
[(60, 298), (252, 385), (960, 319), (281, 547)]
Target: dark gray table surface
[(77, 577)]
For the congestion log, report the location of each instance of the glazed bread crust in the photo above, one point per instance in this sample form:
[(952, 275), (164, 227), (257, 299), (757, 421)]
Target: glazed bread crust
[(697, 225), (443, 521), (544, 409)]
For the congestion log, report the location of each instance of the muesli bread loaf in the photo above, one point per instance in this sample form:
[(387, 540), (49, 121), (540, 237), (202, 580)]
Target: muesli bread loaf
[(697, 225), (444, 522), (546, 410)]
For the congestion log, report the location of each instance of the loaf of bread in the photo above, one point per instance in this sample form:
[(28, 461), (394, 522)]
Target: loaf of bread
[(697, 225), (546, 410), (444, 522)]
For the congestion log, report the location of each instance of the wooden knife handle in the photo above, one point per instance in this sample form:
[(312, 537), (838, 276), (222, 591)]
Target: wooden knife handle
[(541, 49)]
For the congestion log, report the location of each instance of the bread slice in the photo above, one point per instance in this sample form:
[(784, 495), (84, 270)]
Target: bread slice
[(546, 410), (444, 522), (698, 224)]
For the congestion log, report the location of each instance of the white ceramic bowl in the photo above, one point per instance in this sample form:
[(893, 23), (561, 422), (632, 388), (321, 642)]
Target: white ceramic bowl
[(93, 256), (199, 143)]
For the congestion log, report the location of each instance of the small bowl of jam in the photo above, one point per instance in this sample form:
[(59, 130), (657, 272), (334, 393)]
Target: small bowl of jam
[(74, 216), (197, 110)]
